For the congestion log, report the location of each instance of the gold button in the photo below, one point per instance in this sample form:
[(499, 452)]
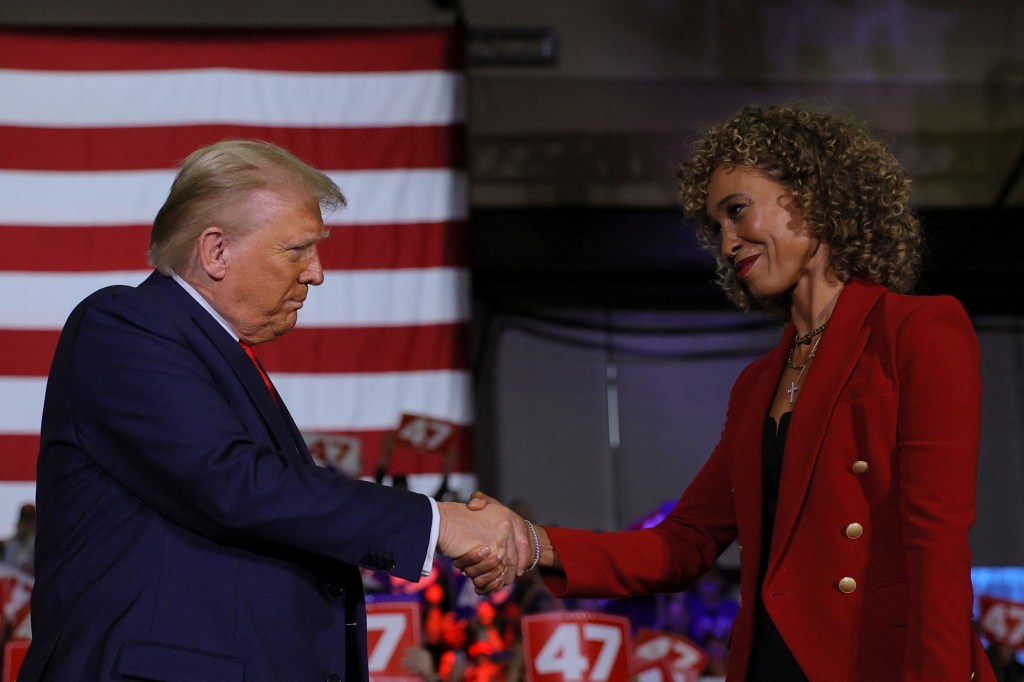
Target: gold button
[(860, 467), (854, 531), (847, 585)]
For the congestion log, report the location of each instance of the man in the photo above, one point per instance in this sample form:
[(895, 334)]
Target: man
[(184, 533)]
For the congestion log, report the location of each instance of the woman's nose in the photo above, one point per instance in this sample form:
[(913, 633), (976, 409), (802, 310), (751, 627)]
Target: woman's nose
[(730, 243)]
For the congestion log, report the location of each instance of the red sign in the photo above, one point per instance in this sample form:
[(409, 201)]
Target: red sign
[(341, 452), (391, 628), (576, 646), (14, 654), (661, 671), (667, 657), (427, 434), (1002, 621)]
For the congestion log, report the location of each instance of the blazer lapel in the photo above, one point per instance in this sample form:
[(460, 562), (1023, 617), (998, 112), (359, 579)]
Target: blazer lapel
[(841, 347)]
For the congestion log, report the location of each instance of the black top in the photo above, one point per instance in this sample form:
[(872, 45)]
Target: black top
[(771, 660)]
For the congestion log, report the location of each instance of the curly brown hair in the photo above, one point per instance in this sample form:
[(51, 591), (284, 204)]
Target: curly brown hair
[(848, 187)]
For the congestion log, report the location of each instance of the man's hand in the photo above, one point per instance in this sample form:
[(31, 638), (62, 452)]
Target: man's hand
[(488, 539)]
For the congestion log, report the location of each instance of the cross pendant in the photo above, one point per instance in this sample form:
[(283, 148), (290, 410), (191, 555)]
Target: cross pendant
[(792, 390)]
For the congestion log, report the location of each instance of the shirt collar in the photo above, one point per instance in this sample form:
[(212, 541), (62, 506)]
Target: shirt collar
[(206, 305)]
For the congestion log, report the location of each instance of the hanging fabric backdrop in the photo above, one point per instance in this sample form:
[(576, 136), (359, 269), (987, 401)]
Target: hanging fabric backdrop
[(92, 125)]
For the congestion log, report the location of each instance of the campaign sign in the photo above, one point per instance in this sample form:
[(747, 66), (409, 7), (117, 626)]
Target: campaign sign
[(391, 628), (667, 657), (1002, 621), (576, 646), (661, 671), (427, 434), (336, 451), (14, 654)]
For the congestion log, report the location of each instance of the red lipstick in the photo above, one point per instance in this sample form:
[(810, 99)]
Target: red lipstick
[(743, 266)]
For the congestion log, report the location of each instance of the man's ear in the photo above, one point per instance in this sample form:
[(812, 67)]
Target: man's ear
[(211, 244)]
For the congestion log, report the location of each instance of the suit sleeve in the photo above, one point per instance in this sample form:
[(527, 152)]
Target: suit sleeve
[(158, 411), (938, 434)]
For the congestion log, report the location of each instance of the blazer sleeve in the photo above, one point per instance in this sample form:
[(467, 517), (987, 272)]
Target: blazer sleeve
[(938, 432), (157, 409)]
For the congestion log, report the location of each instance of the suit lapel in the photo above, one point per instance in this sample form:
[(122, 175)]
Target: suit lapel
[(278, 422), (273, 413), (296, 436), (842, 345)]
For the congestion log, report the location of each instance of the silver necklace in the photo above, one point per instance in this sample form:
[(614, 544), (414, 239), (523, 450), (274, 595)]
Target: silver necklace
[(794, 386)]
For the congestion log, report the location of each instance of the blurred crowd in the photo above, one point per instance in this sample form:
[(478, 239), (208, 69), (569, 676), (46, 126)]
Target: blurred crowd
[(469, 638)]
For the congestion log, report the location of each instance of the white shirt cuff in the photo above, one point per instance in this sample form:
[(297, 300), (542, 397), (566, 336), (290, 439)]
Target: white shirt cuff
[(435, 529)]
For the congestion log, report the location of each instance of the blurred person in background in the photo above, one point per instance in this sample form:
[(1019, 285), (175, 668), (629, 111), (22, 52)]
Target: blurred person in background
[(19, 550)]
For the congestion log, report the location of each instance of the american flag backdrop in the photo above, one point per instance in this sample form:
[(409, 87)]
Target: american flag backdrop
[(92, 125)]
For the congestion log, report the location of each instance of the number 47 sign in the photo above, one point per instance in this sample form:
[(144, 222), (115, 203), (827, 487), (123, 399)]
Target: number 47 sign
[(391, 628), (576, 646), (1003, 621)]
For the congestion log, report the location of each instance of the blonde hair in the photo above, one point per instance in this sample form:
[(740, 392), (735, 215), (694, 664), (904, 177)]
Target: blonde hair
[(848, 187), (212, 182)]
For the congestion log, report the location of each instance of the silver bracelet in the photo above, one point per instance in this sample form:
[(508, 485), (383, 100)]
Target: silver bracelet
[(536, 546)]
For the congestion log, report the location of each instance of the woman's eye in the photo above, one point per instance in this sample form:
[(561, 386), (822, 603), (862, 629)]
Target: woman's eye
[(733, 210)]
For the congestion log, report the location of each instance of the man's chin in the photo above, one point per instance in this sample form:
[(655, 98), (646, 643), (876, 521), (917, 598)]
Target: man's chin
[(284, 326)]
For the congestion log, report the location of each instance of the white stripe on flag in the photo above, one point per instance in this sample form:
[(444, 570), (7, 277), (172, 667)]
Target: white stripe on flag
[(231, 96), (369, 401), (49, 198), (387, 298), (359, 298), (22, 398), (319, 402)]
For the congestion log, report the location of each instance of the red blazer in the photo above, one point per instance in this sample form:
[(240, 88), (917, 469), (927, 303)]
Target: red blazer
[(869, 573)]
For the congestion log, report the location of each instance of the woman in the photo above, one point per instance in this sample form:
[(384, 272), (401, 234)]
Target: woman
[(846, 469)]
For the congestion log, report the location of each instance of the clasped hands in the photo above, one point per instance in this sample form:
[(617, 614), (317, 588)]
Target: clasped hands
[(488, 541)]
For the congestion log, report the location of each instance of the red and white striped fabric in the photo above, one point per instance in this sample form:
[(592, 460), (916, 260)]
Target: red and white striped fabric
[(92, 125)]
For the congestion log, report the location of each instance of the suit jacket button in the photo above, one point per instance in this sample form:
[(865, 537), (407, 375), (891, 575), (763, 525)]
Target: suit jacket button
[(854, 531), (847, 585), (335, 589), (332, 678), (860, 467)]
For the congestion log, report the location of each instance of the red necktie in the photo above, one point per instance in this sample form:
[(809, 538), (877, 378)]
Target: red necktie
[(263, 373)]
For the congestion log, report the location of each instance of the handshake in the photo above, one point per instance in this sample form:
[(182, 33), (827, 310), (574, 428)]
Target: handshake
[(489, 542)]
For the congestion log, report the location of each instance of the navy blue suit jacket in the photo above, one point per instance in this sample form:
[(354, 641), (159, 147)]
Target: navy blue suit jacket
[(184, 532)]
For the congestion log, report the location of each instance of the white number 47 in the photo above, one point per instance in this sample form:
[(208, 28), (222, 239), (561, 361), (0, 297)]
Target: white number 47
[(563, 652)]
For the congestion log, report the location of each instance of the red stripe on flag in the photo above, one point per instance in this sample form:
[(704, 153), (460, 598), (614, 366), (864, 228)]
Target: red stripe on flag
[(329, 149), (312, 51), (20, 454), (368, 349), (303, 350), (22, 451), (27, 353), (373, 247), (350, 247), (73, 249)]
